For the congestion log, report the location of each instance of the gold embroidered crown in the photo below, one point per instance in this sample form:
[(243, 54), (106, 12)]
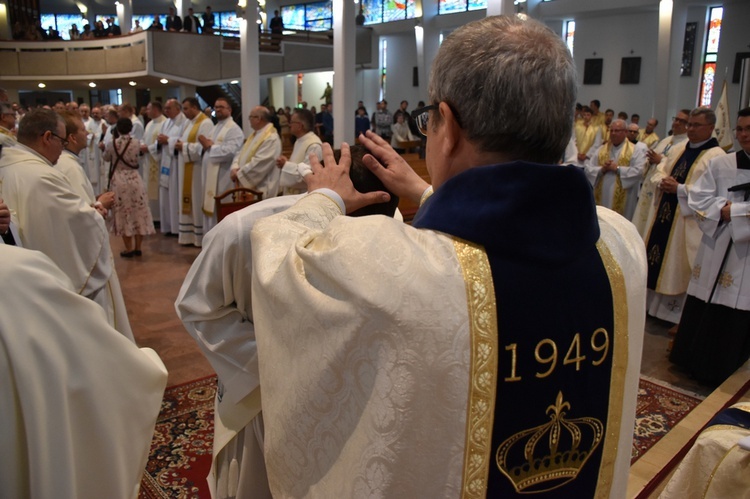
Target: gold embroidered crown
[(534, 467)]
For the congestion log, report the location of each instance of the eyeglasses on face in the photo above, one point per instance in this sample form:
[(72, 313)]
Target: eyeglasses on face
[(679, 120), (63, 141), (422, 115), (696, 125)]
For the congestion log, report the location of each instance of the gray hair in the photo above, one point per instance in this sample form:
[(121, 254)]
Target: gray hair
[(708, 113), (36, 123), (512, 85), (619, 121)]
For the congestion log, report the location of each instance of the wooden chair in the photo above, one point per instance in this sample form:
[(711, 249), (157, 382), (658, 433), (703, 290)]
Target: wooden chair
[(240, 198)]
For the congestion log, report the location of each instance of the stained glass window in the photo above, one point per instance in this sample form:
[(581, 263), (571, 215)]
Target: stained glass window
[(229, 24), (383, 11), (570, 32), (316, 16), (710, 55), (452, 6)]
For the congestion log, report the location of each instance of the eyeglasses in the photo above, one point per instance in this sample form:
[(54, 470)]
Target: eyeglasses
[(679, 120), (63, 141), (696, 125), (421, 116), (741, 129)]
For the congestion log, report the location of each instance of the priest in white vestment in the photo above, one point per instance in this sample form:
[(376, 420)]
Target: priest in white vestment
[(646, 209), (7, 125), (301, 124), (588, 136), (674, 236), (169, 189), (189, 162), (78, 401), (615, 170), (255, 165), (215, 305), (151, 156), (54, 219), (95, 128), (412, 361), (713, 338), (107, 138), (219, 149)]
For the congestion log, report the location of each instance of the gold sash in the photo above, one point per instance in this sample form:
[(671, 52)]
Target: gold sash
[(619, 197), (187, 182), (249, 151), (585, 137), (152, 170)]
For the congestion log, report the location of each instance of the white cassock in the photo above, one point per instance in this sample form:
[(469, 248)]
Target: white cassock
[(191, 181), (362, 395), (292, 180), (93, 153), (707, 197), (256, 162), (227, 140), (7, 139), (626, 182), (150, 164), (169, 189), (215, 305), (70, 167), (645, 211), (83, 156), (55, 220), (78, 401), (104, 165), (667, 300)]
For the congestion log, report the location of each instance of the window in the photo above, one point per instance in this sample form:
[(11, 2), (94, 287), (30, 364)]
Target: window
[(384, 11), (228, 23), (452, 6), (316, 16), (570, 32), (62, 23), (148, 20), (711, 53)]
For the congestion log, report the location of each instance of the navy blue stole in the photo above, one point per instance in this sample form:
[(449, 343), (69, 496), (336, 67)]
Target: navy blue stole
[(555, 321), (668, 212)]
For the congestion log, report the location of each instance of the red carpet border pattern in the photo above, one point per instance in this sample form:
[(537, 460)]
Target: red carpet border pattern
[(658, 410), (180, 456)]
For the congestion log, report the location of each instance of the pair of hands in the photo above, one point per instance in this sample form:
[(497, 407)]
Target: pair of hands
[(395, 173), (4, 217)]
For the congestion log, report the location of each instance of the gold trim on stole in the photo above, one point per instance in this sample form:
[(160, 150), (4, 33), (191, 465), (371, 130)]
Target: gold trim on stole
[(619, 370), (677, 213), (480, 293), (187, 182)]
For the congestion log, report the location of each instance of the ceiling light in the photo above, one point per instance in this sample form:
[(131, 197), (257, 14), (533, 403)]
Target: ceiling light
[(131, 83), (164, 81), (41, 85), (92, 84), (234, 82)]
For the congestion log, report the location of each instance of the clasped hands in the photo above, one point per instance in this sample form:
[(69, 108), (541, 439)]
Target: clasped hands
[(395, 173)]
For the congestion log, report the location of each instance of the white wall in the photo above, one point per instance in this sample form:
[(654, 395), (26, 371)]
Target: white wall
[(402, 58), (734, 39), (611, 38)]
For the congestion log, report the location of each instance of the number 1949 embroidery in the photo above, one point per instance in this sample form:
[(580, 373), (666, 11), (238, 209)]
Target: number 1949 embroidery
[(546, 354)]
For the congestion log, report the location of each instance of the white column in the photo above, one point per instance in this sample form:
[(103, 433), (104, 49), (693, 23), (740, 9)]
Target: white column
[(344, 47), (662, 76), (125, 15), (181, 7), (249, 62), (6, 31)]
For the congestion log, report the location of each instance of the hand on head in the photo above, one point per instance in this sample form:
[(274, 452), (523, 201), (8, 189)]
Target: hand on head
[(395, 173), (335, 176)]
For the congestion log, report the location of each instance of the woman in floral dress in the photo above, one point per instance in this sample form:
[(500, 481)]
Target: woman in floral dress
[(131, 217)]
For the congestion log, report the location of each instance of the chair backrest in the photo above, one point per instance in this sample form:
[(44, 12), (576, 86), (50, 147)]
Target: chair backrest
[(240, 198)]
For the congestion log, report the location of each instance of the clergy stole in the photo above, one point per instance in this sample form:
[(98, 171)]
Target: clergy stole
[(605, 134), (548, 333), (620, 196), (585, 137), (212, 175), (667, 212), (187, 181), (250, 148)]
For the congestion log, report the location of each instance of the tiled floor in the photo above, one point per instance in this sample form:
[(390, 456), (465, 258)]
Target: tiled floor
[(150, 284)]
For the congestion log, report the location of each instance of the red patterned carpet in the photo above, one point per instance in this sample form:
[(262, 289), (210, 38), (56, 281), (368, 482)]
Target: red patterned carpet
[(659, 409), (180, 455)]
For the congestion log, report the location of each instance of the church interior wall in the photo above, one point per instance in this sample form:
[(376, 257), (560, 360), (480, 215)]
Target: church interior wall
[(734, 39), (611, 38), (368, 88), (401, 59)]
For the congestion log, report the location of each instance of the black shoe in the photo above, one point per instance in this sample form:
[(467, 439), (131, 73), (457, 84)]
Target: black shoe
[(127, 254), (138, 253)]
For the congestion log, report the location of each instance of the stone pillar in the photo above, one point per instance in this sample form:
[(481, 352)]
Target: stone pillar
[(662, 102), (344, 48), (125, 15), (249, 63)]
